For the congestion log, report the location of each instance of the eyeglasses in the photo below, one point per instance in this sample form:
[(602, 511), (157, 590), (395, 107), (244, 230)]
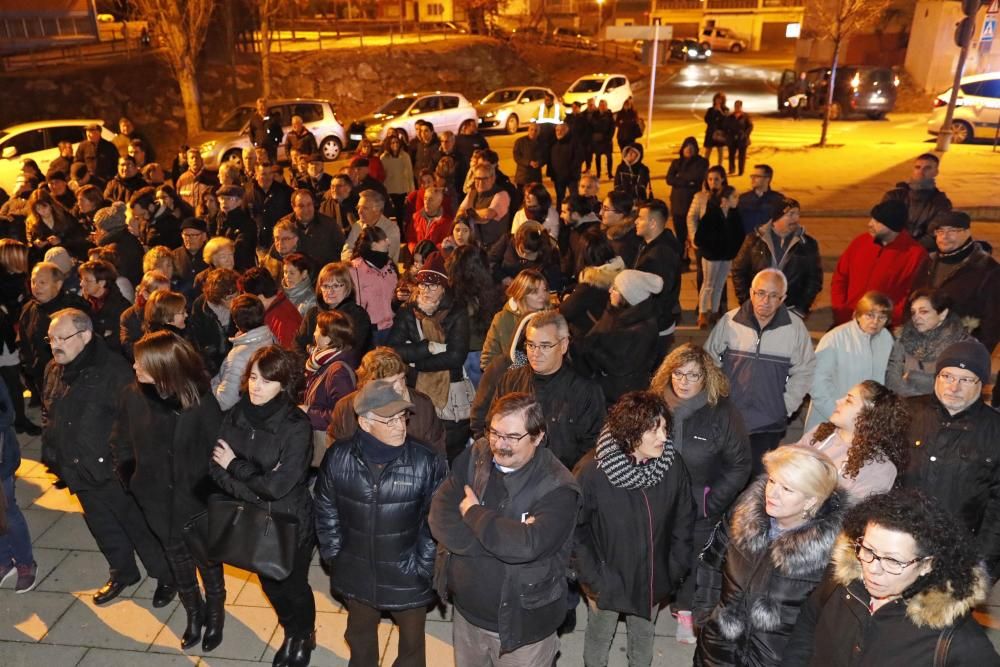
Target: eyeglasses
[(540, 347), (948, 378), (510, 438), (610, 209), (393, 422), (875, 317), (764, 295), (61, 339), (942, 231), (890, 565), (689, 377), (329, 287)]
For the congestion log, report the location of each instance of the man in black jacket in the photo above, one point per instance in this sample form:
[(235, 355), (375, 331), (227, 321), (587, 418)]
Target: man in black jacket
[(319, 236), (376, 488), (236, 225), (112, 230), (188, 259), (268, 201), (528, 157), (504, 518), (127, 181), (565, 159), (923, 200), (80, 404), (660, 253), (99, 154)]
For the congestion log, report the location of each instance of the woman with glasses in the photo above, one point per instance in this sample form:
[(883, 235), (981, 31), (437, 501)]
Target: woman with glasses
[(708, 433), (765, 558), (335, 291), (850, 353), (932, 327), (633, 537), (618, 224), (901, 590)]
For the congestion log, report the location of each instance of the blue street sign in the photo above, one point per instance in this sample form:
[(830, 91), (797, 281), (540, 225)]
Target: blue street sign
[(989, 29)]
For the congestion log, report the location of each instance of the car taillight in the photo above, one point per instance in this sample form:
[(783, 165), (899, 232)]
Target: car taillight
[(938, 102)]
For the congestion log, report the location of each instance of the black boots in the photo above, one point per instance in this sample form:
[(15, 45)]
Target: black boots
[(215, 606), (195, 608), (295, 651)]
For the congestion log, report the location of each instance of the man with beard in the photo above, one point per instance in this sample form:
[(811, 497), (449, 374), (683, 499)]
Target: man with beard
[(922, 198)]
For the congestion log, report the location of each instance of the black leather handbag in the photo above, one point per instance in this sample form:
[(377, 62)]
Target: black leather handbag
[(251, 537)]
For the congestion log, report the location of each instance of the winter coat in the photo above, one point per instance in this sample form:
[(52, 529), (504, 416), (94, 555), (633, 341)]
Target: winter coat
[(226, 383), (801, 264), (361, 325), (836, 629), (425, 155), (738, 129), (501, 333), (685, 177), (632, 547), (283, 319), (770, 370), (164, 229), (186, 267), (107, 320), (634, 178), (662, 257), (32, 329), (868, 265), (629, 128), (507, 262), (391, 230), (374, 290), (211, 339), (239, 227), (423, 426), (696, 211), (874, 476), (266, 209), (573, 244), (408, 341), (845, 356), (715, 119), (373, 532), (719, 235), (128, 250), (911, 368), (750, 588), (321, 239), (953, 459), (922, 206), (191, 186), (627, 246), (423, 226), (130, 330), (586, 303), (758, 209), (304, 142), (619, 351), (101, 158), (526, 151), (398, 173), (161, 454), (324, 389), (271, 468), (565, 158)]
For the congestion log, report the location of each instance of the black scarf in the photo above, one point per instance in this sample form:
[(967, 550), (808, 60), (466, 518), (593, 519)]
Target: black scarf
[(258, 415), (375, 258), (958, 255), (624, 472)]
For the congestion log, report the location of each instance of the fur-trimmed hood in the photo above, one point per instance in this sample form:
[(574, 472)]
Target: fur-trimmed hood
[(602, 276), (933, 607)]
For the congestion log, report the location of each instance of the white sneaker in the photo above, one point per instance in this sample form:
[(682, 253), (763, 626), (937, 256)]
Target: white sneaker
[(685, 628)]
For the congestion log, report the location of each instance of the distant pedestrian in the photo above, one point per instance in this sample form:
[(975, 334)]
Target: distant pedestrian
[(629, 125), (715, 131), (685, 177), (922, 198), (602, 126), (738, 127)]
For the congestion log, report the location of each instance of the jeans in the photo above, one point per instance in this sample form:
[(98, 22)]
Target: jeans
[(472, 368), (740, 151), (713, 285), (15, 544), (362, 635), (476, 647), (292, 598), (601, 628)]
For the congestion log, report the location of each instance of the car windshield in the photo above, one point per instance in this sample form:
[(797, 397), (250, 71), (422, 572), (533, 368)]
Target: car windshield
[(587, 86), (235, 121), (395, 106), (501, 96), (877, 77)]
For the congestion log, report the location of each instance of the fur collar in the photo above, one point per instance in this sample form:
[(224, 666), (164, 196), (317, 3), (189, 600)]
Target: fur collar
[(602, 276), (933, 607), (796, 552)]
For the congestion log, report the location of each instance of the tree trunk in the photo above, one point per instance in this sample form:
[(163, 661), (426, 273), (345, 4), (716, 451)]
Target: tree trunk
[(265, 53), (829, 92), (190, 97)]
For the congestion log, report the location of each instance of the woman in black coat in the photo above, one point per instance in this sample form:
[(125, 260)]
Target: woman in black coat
[(685, 177), (717, 239), (904, 582), (210, 325), (335, 291), (708, 433), (162, 442), (765, 558), (715, 126), (632, 545), (263, 456), (628, 124)]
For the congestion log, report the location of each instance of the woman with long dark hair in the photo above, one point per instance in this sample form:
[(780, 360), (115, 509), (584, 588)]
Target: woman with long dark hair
[(374, 275), (49, 224), (715, 131), (162, 442), (473, 287)]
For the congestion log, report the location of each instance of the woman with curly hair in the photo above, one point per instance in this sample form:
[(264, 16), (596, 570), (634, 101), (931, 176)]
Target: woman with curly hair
[(904, 581), (866, 438), (632, 545)]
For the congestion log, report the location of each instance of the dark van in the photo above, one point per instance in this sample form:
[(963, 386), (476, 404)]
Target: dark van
[(859, 90)]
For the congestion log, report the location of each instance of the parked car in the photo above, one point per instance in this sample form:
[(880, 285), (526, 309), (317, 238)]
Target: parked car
[(39, 141), (528, 32), (232, 135), (510, 108), (613, 88), (977, 109), (688, 50), (573, 38), (446, 111), (722, 39), (866, 90)]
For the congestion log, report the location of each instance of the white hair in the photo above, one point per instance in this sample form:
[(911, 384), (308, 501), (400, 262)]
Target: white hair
[(777, 274)]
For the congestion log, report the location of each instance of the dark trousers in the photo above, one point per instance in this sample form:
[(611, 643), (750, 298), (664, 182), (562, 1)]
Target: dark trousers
[(362, 635), (398, 205), (121, 531), (604, 151), (456, 437), (292, 598), (12, 377), (739, 150), (760, 444), (185, 569), (684, 598), (681, 230), (564, 188)]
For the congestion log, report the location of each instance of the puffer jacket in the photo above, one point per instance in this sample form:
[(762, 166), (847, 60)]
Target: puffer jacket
[(226, 383), (374, 532), (750, 588), (406, 338), (620, 350), (835, 628), (800, 264), (272, 462)]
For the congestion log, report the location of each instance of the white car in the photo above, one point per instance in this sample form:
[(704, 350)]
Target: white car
[(445, 111), (40, 142), (232, 135), (977, 109), (613, 88), (722, 39), (510, 108)]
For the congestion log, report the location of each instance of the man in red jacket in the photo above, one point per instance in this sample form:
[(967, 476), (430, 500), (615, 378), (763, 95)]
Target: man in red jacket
[(885, 259), (281, 317)]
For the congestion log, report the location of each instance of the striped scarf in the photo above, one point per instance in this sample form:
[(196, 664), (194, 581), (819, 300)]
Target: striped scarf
[(623, 471)]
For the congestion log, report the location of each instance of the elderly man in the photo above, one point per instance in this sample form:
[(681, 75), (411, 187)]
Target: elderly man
[(487, 205), (188, 259), (370, 206), (235, 224), (528, 157), (80, 405), (504, 520), (922, 198), (299, 138), (953, 437), (99, 154), (320, 237), (768, 357), (98, 285), (964, 269), (375, 488), (884, 259)]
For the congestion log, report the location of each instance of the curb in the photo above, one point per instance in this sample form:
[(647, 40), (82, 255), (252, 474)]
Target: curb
[(977, 213)]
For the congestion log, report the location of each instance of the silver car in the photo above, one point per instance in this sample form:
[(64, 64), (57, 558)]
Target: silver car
[(445, 111), (510, 108), (231, 136), (39, 141)]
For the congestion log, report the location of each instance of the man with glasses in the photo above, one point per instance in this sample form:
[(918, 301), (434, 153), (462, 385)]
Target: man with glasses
[(757, 204), (372, 500), (767, 354), (188, 260), (953, 454), (504, 520), (80, 404), (371, 204), (339, 203), (488, 205), (884, 259)]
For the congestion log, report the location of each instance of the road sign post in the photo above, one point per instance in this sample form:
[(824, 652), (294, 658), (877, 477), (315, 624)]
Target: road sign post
[(654, 32)]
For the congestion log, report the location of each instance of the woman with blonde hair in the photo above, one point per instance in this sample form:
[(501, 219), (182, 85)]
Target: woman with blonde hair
[(708, 433), (219, 253), (527, 293), (159, 258), (165, 310), (765, 558)]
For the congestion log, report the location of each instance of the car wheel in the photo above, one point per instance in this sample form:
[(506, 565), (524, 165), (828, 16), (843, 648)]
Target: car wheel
[(512, 124), (330, 148), (736, 48), (961, 132), (836, 112), (876, 115)]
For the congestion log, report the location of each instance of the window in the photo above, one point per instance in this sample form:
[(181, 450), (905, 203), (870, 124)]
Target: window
[(310, 113), (616, 82), (449, 102), (427, 104), (972, 88), (532, 95), (71, 133), (990, 88), (280, 113), (27, 142)]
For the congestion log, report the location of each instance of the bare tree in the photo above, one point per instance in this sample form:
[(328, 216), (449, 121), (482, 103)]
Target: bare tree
[(181, 25), (268, 10), (837, 21)]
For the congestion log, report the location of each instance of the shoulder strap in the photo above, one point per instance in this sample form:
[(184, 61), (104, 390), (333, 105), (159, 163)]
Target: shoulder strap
[(943, 646)]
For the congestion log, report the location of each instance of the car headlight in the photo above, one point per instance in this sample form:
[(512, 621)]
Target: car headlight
[(207, 147), (502, 115), (490, 114), (692, 52), (708, 52)]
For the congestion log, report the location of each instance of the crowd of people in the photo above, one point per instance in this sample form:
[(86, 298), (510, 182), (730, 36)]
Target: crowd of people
[(465, 388)]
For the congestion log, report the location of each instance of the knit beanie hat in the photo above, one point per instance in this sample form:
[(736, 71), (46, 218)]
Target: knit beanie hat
[(970, 355), (110, 218), (892, 214), (637, 286), (60, 258)]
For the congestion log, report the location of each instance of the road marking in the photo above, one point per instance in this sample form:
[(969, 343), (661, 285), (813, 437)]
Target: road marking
[(676, 128)]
